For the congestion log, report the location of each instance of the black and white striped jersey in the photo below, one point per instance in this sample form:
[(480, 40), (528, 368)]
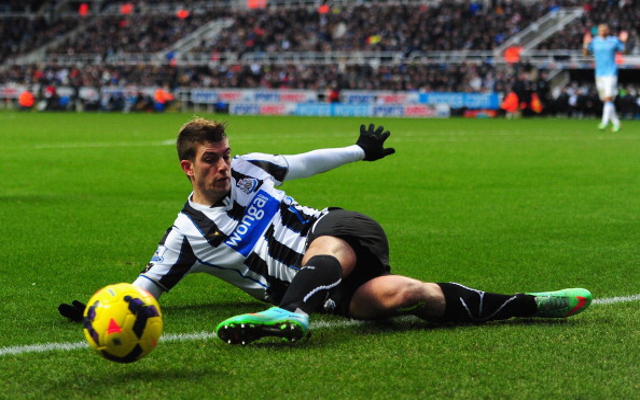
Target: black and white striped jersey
[(254, 240)]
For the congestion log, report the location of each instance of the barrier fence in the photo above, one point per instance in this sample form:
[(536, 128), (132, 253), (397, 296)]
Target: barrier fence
[(263, 101)]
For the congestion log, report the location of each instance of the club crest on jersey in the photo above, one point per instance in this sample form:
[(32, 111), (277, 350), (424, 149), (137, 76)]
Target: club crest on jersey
[(256, 218), (247, 185), (158, 256)]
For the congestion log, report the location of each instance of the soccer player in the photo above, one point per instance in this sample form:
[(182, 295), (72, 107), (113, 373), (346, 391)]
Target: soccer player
[(238, 226), (604, 48)]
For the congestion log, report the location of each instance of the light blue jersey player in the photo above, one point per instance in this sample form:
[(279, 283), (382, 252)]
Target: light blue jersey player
[(604, 48)]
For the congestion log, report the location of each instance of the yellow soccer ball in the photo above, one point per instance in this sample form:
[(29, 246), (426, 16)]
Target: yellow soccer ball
[(122, 323)]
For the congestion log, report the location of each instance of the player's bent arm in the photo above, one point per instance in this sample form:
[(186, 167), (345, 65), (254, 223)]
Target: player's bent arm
[(314, 162), (172, 261), (149, 285), (586, 42)]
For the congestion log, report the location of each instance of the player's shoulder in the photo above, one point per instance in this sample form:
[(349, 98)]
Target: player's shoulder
[(613, 39), (598, 40), (256, 156), (260, 163)]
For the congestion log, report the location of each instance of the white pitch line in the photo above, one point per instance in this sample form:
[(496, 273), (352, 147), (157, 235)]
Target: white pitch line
[(185, 337), (614, 300), (40, 348), (87, 145), (90, 145), (449, 136)]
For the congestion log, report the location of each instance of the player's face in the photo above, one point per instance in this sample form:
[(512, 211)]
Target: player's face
[(603, 30), (210, 173)]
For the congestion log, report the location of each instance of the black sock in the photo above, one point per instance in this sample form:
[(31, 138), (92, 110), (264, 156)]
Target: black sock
[(309, 289), (465, 304)]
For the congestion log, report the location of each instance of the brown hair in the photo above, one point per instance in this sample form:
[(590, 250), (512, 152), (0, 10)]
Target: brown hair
[(198, 131)]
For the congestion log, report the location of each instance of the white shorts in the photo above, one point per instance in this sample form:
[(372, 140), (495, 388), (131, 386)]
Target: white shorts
[(607, 86)]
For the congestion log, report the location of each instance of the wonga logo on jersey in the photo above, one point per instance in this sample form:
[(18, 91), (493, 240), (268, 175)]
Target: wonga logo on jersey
[(255, 220)]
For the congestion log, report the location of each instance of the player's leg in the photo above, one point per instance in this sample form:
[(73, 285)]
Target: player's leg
[(329, 263), (601, 86), (326, 261), (609, 110), (394, 295), (607, 90), (612, 92), (337, 242), (397, 295)]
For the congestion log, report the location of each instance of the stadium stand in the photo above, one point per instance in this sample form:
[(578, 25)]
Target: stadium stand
[(438, 46)]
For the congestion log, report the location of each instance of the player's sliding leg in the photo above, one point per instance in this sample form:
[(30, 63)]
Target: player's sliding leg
[(443, 302), (464, 304), (561, 303), (392, 295), (277, 322), (306, 294), (452, 302), (472, 305)]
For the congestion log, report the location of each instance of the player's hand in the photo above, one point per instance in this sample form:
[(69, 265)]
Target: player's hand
[(587, 39), (372, 142), (73, 311), (624, 36)]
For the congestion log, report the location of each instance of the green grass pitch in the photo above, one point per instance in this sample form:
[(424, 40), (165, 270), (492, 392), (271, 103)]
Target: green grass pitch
[(500, 205)]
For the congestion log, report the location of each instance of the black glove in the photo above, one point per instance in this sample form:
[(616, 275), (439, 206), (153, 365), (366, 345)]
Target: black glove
[(372, 140), (73, 311)]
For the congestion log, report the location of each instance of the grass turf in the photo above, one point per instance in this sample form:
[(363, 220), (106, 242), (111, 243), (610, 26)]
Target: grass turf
[(500, 205)]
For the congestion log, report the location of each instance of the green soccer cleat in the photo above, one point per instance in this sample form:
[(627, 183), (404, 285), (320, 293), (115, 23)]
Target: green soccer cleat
[(561, 303), (615, 128), (277, 322), (602, 126)]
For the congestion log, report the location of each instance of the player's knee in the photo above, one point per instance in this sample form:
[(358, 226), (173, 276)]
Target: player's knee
[(335, 247), (396, 295), (425, 300), (406, 294)]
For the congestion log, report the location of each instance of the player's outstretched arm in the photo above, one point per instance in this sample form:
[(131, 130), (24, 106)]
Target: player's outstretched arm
[(372, 142), (369, 147)]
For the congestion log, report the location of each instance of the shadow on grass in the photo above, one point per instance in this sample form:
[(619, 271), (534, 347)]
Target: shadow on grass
[(207, 316), (217, 309), (409, 324), (135, 381)]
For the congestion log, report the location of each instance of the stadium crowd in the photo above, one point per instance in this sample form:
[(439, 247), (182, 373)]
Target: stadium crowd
[(407, 28), (455, 78), (447, 26)]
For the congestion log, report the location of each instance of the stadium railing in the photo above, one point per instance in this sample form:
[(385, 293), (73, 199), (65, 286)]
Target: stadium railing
[(557, 59)]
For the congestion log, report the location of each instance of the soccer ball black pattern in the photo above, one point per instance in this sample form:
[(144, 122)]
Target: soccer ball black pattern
[(122, 323)]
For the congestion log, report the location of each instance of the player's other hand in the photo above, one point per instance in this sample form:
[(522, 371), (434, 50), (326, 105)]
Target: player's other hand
[(73, 311), (624, 35), (372, 142), (587, 38)]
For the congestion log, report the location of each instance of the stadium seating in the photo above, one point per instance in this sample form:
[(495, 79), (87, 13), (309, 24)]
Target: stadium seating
[(370, 45)]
